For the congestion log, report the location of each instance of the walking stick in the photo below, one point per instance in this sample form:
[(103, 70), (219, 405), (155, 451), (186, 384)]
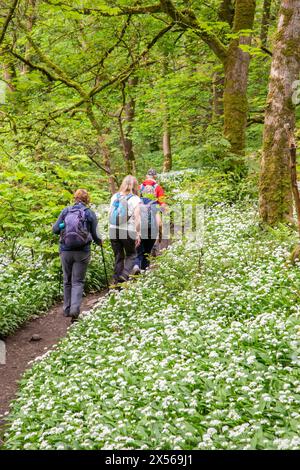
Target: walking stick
[(60, 281), (104, 265)]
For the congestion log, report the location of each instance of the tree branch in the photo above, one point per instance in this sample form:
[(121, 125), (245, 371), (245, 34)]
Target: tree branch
[(33, 66), (117, 11), (60, 74), (8, 20), (188, 20), (256, 120)]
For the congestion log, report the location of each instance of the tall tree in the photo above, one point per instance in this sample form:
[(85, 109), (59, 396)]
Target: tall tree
[(234, 59), (126, 119), (275, 185), (236, 77), (8, 16), (166, 140), (31, 17), (265, 22)]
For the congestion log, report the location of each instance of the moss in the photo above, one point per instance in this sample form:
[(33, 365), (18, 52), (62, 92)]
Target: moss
[(290, 48), (235, 112), (244, 15), (287, 14), (295, 255)]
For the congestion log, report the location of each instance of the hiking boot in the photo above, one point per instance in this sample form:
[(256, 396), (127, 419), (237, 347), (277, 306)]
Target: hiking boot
[(74, 319), (136, 270)]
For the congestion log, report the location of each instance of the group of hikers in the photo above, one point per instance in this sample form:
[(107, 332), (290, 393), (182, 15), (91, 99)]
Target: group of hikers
[(135, 225)]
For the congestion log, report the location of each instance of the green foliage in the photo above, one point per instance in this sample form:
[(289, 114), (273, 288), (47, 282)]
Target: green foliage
[(213, 363), (208, 186), (30, 286)]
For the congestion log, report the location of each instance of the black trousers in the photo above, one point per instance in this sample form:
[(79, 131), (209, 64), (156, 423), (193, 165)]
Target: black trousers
[(125, 255), (74, 264), (144, 251)]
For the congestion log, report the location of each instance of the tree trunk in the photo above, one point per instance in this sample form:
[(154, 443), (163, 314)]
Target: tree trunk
[(166, 140), (226, 11), (265, 22), (102, 139), (31, 7), (8, 75), (275, 184), (126, 140), (107, 161), (236, 79), (167, 166), (217, 92)]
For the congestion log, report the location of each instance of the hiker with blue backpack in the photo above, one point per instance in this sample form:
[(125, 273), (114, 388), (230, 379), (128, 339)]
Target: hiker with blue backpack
[(77, 227), (152, 204), (125, 228)]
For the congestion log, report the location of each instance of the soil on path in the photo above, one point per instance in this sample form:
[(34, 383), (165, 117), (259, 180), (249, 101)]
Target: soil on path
[(20, 348)]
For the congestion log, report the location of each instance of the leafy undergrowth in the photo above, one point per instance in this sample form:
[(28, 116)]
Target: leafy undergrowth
[(201, 353), (29, 288)]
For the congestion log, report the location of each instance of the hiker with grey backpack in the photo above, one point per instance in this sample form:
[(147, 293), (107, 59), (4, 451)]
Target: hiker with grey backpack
[(151, 207), (124, 230), (77, 227)]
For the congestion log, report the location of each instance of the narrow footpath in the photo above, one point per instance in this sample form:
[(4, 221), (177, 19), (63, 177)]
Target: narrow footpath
[(31, 341)]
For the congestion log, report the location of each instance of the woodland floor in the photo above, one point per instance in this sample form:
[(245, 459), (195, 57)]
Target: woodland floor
[(20, 349)]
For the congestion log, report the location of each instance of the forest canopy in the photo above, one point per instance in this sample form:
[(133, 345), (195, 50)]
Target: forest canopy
[(92, 90)]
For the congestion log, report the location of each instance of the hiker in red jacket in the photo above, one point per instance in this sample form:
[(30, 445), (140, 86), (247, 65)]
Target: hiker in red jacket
[(151, 181), (152, 204)]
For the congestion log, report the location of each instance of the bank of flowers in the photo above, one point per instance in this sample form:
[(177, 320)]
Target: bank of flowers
[(200, 353), (30, 287)]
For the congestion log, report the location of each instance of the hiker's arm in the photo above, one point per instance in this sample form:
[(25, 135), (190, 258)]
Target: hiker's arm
[(55, 227), (94, 232)]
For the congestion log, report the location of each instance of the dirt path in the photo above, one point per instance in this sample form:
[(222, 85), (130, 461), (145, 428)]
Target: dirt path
[(20, 349)]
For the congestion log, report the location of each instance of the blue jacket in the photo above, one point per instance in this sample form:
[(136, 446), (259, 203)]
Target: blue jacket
[(92, 226)]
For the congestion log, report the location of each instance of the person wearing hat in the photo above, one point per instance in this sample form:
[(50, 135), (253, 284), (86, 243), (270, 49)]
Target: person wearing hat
[(152, 204), (151, 181)]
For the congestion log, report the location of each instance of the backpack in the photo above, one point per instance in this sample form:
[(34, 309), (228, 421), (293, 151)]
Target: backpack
[(149, 227), (76, 233), (119, 211), (148, 191)]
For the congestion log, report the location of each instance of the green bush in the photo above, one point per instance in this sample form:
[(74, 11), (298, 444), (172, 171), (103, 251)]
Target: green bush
[(202, 353), (30, 288)]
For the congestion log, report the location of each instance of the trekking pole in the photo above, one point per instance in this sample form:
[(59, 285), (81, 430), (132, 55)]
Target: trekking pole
[(104, 265), (60, 281)]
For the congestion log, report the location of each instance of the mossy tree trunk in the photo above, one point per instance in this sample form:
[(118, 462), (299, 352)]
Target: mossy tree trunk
[(167, 166), (31, 18), (234, 59), (236, 78), (126, 128), (275, 184), (9, 75), (103, 138), (265, 22), (217, 92), (166, 140)]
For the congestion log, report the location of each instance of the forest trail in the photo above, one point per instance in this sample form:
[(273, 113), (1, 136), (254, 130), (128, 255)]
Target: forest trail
[(21, 349)]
